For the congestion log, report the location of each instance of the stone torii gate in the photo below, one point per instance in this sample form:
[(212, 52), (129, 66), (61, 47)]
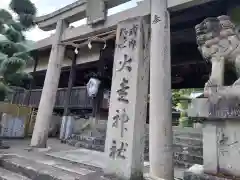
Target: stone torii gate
[(96, 12), (127, 114)]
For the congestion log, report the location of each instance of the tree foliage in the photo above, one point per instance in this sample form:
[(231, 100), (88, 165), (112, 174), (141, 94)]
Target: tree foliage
[(26, 11), (14, 53), (177, 94), (180, 100)]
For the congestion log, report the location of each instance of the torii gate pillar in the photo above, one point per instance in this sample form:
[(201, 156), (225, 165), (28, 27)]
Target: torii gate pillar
[(160, 123), (59, 20), (47, 102)]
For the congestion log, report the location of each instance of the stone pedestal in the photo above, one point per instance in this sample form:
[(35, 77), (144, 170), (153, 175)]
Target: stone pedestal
[(128, 103), (66, 127), (193, 176), (221, 147), (221, 132)]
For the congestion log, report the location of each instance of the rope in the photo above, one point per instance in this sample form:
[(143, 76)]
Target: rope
[(110, 34)]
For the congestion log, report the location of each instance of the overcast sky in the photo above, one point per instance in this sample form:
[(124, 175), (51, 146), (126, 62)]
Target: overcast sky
[(47, 6)]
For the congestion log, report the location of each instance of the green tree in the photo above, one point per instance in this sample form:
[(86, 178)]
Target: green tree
[(13, 45)]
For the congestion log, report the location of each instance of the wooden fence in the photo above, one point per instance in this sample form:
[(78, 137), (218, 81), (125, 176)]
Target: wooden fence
[(78, 98)]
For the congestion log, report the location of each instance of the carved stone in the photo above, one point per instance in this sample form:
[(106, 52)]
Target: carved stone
[(222, 103), (96, 11), (124, 143), (218, 41), (221, 135)]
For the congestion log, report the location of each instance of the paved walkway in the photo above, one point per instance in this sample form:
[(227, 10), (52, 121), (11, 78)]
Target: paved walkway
[(62, 156), (97, 159)]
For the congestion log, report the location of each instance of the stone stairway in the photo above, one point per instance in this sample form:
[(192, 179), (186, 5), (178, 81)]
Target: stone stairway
[(87, 141), (14, 167), (187, 146)]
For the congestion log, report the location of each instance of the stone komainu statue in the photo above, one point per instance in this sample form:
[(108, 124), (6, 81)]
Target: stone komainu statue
[(219, 42)]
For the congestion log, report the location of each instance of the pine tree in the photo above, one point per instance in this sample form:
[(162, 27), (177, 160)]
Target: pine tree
[(14, 53)]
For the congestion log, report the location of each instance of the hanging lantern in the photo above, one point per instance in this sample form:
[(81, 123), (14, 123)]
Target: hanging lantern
[(93, 86)]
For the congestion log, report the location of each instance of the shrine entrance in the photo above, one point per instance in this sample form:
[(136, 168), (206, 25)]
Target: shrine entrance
[(134, 53)]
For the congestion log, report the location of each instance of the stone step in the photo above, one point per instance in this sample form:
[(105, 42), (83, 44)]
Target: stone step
[(187, 145), (37, 170), (185, 140), (182, 164), (188, 158), (196, 135), (89, 139), (188, 138), (192, 176), (191, 141), (8, 175), (85, 145), (183, 159), (88, 142), (184, 148), (190, 135)]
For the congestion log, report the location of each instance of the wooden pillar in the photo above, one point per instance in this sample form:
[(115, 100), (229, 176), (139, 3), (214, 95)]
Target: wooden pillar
[(160, 131), (48, 98), (128, 103), (96, 102), (71, 79), (32, 80)]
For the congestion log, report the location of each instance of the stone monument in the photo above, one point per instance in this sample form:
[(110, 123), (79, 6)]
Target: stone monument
[(128, 104), (218, 41)]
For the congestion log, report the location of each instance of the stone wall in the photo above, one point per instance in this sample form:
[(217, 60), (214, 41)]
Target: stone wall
[(187, 145)]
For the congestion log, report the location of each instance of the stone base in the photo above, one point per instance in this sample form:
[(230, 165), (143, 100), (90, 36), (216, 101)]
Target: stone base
[(93, 143), (187, 145), (66, 127), (149, 177), (191, 176)]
